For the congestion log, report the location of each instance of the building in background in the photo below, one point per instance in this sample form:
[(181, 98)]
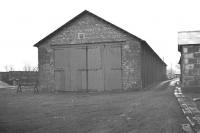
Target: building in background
[(4, 76), (89, 53), (27, 78), (189, 47)]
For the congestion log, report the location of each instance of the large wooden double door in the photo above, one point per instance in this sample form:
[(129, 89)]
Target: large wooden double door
[(89, 67)]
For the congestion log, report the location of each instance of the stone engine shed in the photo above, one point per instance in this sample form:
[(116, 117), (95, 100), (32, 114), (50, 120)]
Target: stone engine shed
[(189, 47), (89, 53)]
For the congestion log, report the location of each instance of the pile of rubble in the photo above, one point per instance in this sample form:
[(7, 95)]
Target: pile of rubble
[(190, 111)]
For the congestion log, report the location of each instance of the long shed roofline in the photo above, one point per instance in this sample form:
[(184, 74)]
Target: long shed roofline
[(87, 12)]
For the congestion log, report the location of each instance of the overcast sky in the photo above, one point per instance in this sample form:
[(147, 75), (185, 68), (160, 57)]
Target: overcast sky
[(25, 22)]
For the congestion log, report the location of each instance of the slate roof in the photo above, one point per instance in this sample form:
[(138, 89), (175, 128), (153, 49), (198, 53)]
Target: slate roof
[(188, 38)]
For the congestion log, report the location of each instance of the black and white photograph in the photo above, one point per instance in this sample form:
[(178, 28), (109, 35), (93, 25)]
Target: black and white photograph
[(109, 66)]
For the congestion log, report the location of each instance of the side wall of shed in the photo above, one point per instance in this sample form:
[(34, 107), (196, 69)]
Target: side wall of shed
[(95, 30), (153, 68)]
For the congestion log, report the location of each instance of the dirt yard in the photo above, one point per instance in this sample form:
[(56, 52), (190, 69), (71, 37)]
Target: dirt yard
[(152, 111)]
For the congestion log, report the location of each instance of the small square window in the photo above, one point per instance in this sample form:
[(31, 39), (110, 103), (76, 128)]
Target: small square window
[(81, 35)]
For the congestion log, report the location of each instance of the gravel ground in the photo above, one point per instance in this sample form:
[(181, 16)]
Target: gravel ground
[(151, 111)]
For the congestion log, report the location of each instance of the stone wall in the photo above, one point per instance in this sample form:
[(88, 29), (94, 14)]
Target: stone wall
[(46, 68), (153, 68), (131, 65), (190, 65)]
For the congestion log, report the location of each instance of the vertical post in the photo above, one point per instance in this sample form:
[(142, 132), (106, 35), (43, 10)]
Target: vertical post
[(87, 68)]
